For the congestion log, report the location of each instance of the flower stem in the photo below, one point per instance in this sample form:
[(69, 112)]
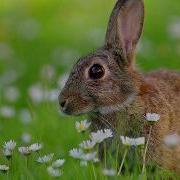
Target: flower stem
[(145, 150), (27, 164), (94, 172), (117, 156), (105, 159), (122, 162)]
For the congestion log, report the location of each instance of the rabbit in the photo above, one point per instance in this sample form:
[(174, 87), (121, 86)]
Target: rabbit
[(107, 86)]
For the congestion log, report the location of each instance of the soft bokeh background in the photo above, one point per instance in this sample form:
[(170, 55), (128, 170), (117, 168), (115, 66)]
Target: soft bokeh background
[(40, 40)]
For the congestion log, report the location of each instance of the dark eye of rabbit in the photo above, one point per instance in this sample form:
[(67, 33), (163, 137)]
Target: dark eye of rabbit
[(96, 71)]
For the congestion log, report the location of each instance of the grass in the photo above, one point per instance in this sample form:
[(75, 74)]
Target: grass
[(41, 32)]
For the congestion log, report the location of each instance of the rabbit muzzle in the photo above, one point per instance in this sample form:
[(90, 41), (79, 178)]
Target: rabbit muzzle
[(74, 104), (63, 103)]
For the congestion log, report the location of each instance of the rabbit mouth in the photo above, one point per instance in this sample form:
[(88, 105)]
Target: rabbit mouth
[(77, 112), (69, 107), (76, 109)]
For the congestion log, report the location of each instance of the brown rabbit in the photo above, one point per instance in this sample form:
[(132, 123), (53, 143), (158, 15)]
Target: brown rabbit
[(107, 86)]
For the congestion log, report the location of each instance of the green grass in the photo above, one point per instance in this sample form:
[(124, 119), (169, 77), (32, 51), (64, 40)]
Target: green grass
[(67, 28)]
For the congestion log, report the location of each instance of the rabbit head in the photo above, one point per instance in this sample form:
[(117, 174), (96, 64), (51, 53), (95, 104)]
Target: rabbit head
[(103, 81)]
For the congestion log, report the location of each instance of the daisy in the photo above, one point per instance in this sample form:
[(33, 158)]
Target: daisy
[(10, 145), (25, 116), (89, 156), (98, 136), (8, 148), (76, 153), (82, 126), (24, 151), (62, 80), (4, 168), (101, 135), (35, 147), (87, 144), (172, 140), (26, 137), (11, 94), (132, 141), (7, 112), (108, 133), (53, 172), (152, 117), (174, 28), (58, 163), (45, 159), (52, 95), (109, 172), (36, 93)]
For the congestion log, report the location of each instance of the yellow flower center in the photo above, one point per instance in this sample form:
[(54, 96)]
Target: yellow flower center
[(81, 126)]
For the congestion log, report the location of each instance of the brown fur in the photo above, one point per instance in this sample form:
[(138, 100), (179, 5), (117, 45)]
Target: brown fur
[(164, 100), (158, 94), (121, 98)]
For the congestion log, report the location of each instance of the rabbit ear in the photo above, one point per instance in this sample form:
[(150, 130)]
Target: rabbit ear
[(125, 27)]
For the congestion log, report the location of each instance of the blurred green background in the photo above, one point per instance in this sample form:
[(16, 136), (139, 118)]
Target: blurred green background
[(40, 40)]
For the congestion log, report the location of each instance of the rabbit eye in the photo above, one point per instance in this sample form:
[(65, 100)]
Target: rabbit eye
[(96, 71)]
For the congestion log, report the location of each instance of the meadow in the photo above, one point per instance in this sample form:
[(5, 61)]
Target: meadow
[(40, 40)]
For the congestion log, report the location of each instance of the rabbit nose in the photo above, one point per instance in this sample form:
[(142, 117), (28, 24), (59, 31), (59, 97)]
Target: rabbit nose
[(63, 104)]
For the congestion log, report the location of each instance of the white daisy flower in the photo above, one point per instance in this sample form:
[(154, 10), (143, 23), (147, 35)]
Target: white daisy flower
[(132, 141), (62, 80), (8, 148), (89, 156), (25, 116), (45, 159), (174, 28), (76, 153), (11, 94), (82, 126), (83, 163), (87, 144), (10, 145), (152, 117), (36, 93), (108, 133), (58, 163), (24, 151), (101, 135), (26, 137), (109, 172), (35, 147), (52, 95), (7, 112), (4, 168), (98, 136), (54, 172), (172, 140)]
